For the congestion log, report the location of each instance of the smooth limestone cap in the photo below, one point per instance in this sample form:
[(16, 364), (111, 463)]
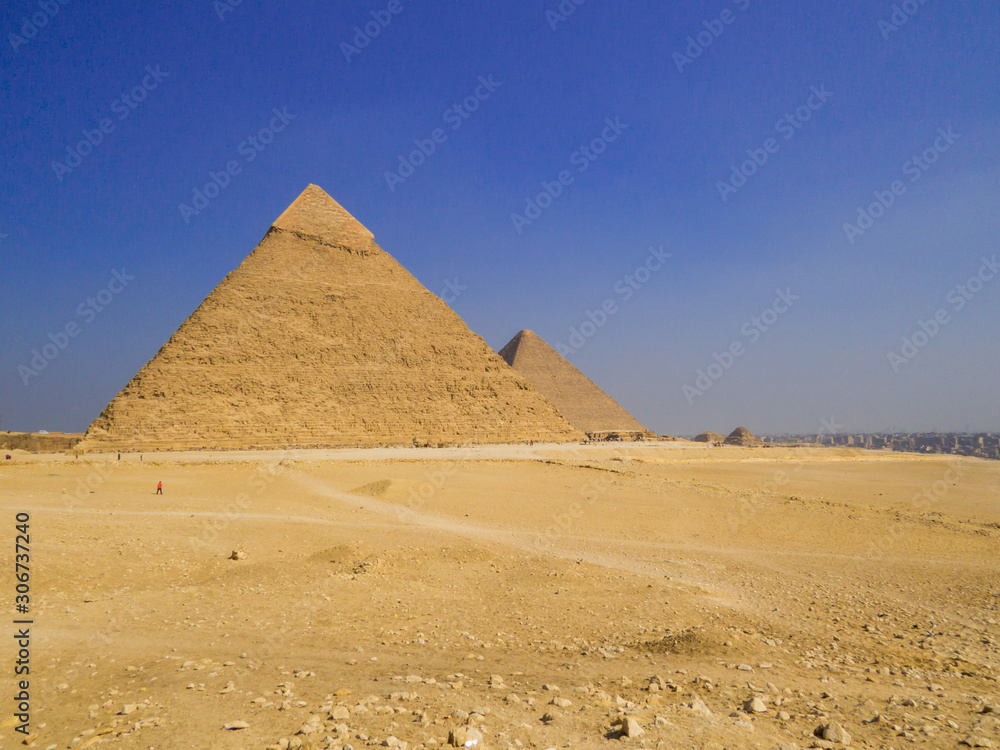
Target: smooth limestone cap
[(316, 214)]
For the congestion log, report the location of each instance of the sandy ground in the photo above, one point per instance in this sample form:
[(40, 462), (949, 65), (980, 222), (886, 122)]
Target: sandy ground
[(509, 596)]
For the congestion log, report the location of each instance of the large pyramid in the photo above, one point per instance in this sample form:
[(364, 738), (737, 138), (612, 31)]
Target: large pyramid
[(320, 338), (576, 396)]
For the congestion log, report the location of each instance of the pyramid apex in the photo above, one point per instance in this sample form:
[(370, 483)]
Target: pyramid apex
[(315, 214)]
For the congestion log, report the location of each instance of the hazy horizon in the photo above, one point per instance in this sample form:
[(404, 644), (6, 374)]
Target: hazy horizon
[(816, 189)]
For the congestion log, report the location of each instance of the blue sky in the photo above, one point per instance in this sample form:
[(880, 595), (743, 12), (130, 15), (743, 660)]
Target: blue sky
[(684, 123)]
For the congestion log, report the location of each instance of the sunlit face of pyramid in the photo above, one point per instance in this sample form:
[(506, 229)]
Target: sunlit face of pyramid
[(315, 214), (321, 338)]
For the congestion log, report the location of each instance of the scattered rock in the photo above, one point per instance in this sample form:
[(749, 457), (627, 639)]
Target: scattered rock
[(977, 742), (238, 555), (755, 706), (699, 707), (463, 736), (631, 727), (833, 732), (236, 725), (313, 725)]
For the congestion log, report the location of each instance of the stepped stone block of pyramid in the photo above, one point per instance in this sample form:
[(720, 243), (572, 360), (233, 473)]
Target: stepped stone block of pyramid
[(743, 437), (321, 339), (575, 395)]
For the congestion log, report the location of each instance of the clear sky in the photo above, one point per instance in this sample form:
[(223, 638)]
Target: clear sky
[(738, 136)]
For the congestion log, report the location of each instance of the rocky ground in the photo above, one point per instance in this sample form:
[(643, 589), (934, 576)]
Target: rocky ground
[(665, 595)]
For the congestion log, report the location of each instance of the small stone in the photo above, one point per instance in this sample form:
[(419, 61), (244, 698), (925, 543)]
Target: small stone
[(974, 741), (340, 713), (833, 732), (129, 708), (699, 707), (236, 725), (562, 702), (756, 706), (313, 725), (631, 727), (784, 716), (465, 737), (238, 555)]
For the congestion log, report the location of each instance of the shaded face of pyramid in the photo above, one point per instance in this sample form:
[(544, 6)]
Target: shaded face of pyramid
[(577, 398), (320, 338)]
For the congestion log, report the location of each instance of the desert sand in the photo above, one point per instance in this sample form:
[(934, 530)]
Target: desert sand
[(511, 596)]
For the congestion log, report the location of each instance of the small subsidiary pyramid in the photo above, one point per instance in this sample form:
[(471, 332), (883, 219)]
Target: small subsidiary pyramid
[(321, 339), (742, 437), (576, 396)]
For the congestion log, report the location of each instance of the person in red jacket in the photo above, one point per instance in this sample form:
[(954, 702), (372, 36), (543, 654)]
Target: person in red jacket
[(159, 488)]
